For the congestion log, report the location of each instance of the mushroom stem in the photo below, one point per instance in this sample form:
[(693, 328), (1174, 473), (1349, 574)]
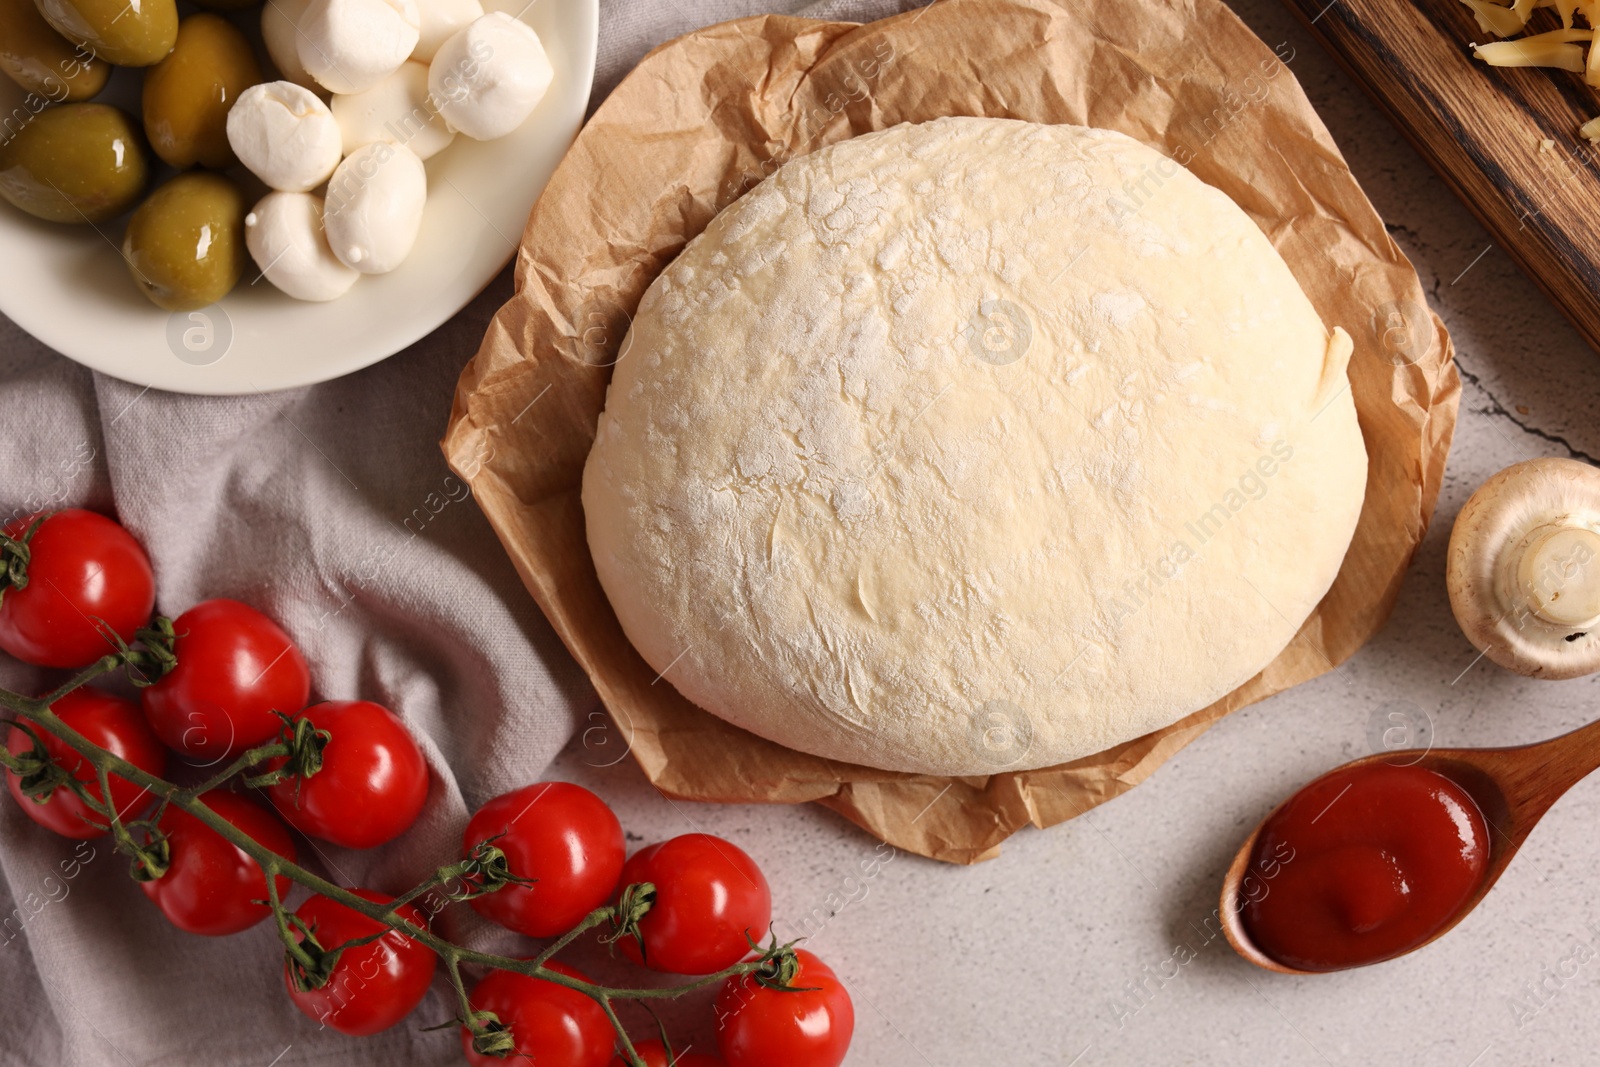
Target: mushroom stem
[(1556, 574)]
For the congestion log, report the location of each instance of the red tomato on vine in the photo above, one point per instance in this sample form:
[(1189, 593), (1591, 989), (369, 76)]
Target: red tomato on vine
[(235, 668), (373, 781), (212, 886), (65, 583), (373, 986), (711, 901), (564, 838), (808, 1025), (550, 1024), (110, 722)]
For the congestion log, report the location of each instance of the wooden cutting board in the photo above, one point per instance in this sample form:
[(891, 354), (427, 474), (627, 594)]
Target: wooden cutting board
[(1481, 128)]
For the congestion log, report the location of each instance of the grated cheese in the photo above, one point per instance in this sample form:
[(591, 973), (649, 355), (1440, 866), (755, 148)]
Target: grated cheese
[(1531, 53), (1561, 48)]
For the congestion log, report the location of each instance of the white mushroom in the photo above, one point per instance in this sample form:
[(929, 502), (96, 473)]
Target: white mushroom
[(285, 238), (374, 207), (486, 79), (1524, 568), (351, 45)]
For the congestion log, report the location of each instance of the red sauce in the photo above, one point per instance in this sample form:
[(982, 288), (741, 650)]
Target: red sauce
[(1362, 865)]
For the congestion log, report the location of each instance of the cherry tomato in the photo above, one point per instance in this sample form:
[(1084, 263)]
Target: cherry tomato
[(81, 567), (373, 780), (113, 724), (235, 668), (552, 1025), (211, 886), (709, 895), (373, 986), (655, 1054), (808, 1026), (565, 838)]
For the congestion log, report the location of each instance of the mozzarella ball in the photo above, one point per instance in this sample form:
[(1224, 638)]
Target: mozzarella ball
[(279, 19), (352, 45), (285, 135), (487, 79), (440, 19), (398, 110), (374, 207), (284, 234)]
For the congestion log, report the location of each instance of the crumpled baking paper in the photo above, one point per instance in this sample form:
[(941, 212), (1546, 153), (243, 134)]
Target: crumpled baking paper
[(705, 117)]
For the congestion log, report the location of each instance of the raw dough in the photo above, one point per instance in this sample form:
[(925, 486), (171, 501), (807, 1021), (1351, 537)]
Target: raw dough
[(970, 446)]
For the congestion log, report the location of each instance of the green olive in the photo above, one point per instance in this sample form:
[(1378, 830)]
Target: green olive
[(227, 5), (127, 33), (42, 61), (187, 95), (74, 163), (185, 244)]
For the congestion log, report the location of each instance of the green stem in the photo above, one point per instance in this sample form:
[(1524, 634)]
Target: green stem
[(103, 665), (463, 1001), (412, 894), (628, 1051), (280, 917), (590, 921), (254, 756), (108, 806), (441, 877)]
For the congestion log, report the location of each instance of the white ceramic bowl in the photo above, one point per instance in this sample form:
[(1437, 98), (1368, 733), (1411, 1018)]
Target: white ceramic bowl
[(69, 287)]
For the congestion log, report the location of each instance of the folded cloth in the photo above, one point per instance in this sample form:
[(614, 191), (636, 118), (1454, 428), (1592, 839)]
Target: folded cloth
[(331, 509)]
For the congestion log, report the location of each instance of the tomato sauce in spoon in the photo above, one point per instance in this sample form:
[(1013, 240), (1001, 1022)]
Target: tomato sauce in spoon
[(1380, 858)]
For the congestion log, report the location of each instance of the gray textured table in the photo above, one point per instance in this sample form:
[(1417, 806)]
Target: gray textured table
[(1064, 951)]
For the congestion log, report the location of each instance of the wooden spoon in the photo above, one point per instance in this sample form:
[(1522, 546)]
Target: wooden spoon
[(1513, 788)]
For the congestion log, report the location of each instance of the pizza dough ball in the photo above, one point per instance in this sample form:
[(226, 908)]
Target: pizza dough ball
[(972, 446)]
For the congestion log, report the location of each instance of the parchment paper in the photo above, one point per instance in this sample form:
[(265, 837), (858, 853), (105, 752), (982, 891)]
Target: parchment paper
[(705, 117)]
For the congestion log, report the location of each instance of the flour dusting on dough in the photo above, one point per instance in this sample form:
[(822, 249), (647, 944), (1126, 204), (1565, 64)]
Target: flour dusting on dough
[(933, 420)]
